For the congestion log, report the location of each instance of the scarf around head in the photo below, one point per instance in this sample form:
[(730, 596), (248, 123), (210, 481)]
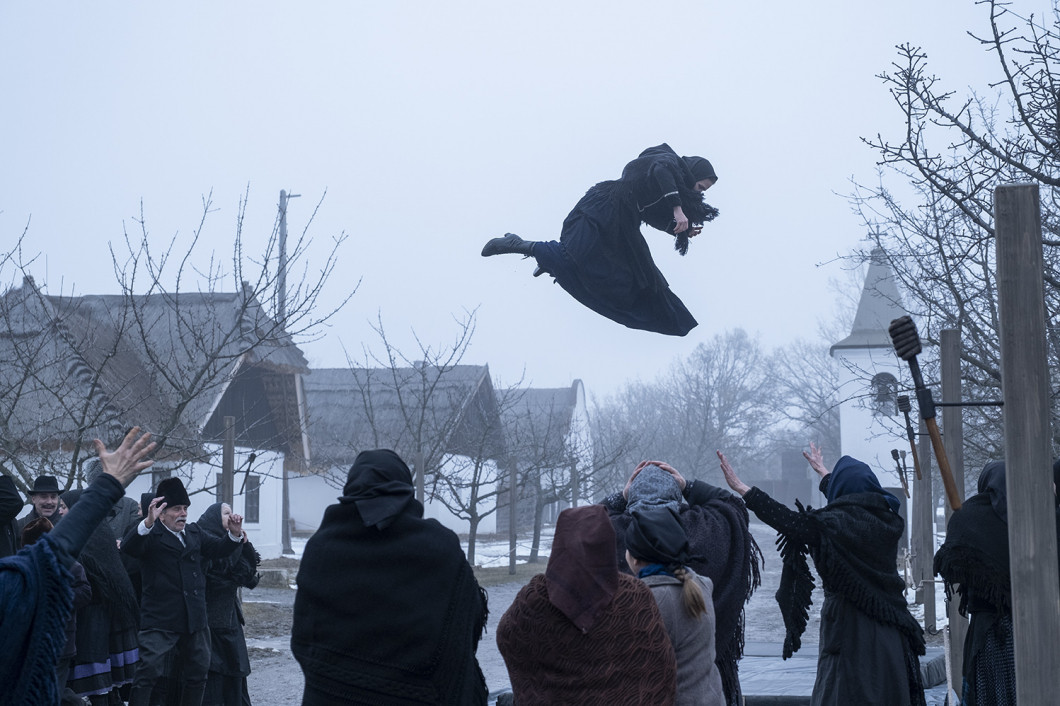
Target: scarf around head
[(653, 487), (853, 476), (699, 168), (656, 536), (379, 484), (974, 559), (582, 572), (101, 560)]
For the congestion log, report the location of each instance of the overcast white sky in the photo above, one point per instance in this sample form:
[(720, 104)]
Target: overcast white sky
[(434, 126)]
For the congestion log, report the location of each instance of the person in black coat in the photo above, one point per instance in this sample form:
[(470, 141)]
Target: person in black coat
[(10, 505), (173, 605), (869, 643), (226, 684), (601, 258)]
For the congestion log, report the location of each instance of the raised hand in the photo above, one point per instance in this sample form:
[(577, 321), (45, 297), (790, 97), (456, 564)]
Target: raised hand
[(235, 525), (126, 461), (816, 460), (672, 471), (737, 485), (154, 509), (638, 469)]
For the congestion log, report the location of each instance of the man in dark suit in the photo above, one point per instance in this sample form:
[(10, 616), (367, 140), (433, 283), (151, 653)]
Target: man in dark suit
[(44, 496), (173, 604)]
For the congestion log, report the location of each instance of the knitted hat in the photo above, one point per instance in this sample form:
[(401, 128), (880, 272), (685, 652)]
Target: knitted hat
[(653, 487), (44, 484), (172, 489), (93, 470)]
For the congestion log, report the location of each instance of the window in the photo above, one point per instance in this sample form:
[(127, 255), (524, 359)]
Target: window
[(885, 395), (252, 510)]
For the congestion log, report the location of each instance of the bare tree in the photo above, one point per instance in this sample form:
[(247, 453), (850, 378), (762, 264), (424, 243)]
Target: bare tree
[(932, 209), (178, 344)]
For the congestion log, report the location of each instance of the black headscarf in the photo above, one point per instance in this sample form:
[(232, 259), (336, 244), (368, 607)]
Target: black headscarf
[(700, 168), (380, 485), (657, 536), (853, 476), (992, 484)]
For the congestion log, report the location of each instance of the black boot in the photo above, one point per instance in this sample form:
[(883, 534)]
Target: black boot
[(510, 243)]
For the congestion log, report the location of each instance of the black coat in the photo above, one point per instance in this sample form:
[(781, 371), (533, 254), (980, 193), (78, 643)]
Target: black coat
[(174, 582), (10, 505)]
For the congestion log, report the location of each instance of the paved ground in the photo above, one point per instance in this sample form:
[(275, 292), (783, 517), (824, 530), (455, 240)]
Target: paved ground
[(277, 681)]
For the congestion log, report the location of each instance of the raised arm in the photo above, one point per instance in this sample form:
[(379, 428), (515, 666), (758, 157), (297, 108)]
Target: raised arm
[(778, 516)]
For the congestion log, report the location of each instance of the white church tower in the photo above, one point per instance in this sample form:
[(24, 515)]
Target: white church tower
[(870, 423)]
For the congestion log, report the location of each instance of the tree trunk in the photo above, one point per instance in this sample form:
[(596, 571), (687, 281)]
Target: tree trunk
[(539, 509)]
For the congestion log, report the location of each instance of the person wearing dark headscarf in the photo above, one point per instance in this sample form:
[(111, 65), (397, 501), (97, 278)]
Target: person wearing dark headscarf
[(35, 594), (107, 650), (582, 632), (226, 684), (602, 259), (657, 550), (723, 550), (388, 610), (869, 643), (10, 506), (974, 562)]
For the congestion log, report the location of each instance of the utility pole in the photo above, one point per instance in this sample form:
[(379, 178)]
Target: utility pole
[(281, 316), (1028, 463), (228, 462)]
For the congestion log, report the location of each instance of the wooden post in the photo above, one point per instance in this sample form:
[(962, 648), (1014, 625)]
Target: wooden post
[(228, 461), (953, 429), (1028, 463), (924, 507)]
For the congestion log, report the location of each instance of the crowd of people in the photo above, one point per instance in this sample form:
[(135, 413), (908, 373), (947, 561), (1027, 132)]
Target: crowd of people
[(107, 601), (642, 600)]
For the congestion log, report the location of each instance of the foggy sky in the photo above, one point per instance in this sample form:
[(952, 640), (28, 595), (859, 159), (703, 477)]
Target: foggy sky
[(435, 126)]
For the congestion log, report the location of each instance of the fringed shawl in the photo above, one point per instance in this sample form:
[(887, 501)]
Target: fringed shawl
[(35, 602), (974, 559), (856, 558)]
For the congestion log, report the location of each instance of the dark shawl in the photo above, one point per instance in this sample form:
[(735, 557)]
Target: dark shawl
[(726, 553), (110, 581), (610, 646), (388, 612), (35, 601)]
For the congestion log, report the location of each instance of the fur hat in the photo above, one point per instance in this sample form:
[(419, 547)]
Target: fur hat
[(172, 489), (34, 529), (44, 484)]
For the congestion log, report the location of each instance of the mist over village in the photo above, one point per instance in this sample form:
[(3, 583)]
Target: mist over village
[(444, 354)]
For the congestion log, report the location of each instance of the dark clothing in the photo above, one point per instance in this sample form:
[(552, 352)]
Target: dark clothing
[(82, 596), (869, 643), (974, 562), (106, 635), (36, 599), (602, 259), (391, 613), (226, 683), (10, 505), (174, 583), (716, 524)]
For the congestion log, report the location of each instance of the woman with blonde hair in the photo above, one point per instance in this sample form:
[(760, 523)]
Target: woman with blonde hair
[(657, 550)]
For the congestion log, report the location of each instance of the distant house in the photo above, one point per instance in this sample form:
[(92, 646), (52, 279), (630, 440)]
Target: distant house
[(74, 368), (550, 445), (443, 420)]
